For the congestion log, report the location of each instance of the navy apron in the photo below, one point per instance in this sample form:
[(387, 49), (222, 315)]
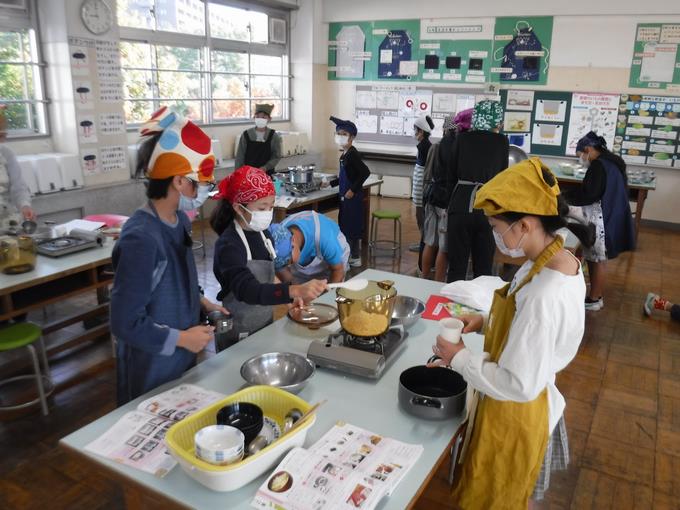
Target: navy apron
[(619, 231), (351, 217), (138, 371)]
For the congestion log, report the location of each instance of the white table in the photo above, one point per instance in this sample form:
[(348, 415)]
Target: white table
[(370, 404)]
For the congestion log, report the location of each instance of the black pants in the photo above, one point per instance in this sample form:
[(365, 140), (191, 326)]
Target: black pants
[(469, 234), (675, 312)]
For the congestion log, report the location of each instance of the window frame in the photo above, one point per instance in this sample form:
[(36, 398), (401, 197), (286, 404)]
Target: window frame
[(19, 20), (207, 45)]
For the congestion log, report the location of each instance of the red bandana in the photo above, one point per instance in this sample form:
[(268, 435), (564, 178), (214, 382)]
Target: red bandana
[(245, 185)]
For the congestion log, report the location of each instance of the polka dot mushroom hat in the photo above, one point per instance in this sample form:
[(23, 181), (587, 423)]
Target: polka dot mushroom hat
[(182, 149)]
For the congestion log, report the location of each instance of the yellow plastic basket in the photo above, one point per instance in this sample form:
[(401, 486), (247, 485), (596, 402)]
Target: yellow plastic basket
[(275, 403)]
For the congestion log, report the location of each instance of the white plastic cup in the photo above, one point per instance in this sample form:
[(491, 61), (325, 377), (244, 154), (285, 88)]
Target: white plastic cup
[(451, 330)]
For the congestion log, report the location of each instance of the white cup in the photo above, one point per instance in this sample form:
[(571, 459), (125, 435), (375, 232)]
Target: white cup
[(451, 330)]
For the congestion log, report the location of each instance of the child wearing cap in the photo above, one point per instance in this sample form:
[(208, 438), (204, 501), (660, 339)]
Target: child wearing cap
[(244, 255), (516, 433), (260, 146), (353, 173), (422, 128), (309, 245), (156, 301)]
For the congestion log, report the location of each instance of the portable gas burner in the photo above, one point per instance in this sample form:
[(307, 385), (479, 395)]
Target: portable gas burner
[(302, 189), (362, 356), (64, 245)]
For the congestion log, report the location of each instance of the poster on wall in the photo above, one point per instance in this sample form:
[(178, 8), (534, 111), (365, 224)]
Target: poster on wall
[(592, 112), (520, 100), (648, 130), (396, 44), (349, 55), (656, 57), (521, 50), (456, 49)]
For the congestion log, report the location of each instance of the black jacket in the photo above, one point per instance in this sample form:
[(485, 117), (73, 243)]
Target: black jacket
[(357, 171), (478, 156)]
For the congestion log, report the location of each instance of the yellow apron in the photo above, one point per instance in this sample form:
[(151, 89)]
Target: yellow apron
[(508, 440)]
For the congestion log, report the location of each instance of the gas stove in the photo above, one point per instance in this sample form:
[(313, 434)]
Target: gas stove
[(362, 356), (64, 245)]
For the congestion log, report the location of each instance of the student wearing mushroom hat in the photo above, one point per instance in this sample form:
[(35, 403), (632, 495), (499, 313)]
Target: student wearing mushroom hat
[(260, 146), (15, 197), (156, 302), (533, 331), (244, 255), (422, 128), (603, 198), (353, 173), (478, 155)]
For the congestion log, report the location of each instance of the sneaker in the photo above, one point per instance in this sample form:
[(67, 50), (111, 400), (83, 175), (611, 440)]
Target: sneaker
[(594, 305), (355, 262), (414, 247), (649, 303)]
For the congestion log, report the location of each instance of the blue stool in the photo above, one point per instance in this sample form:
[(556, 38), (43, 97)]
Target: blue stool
[(25, 334)]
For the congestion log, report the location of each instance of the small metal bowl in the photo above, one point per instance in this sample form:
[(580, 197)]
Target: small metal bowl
[(285, 370), (407, 311)]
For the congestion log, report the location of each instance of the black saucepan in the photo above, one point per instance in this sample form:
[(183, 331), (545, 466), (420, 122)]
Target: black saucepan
[(434, 393)]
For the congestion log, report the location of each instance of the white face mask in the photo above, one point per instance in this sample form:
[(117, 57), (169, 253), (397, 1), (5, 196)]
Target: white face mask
[(341, 140), (259, 220), (514, 253), (191, 204), (261, 123), (583, 159)]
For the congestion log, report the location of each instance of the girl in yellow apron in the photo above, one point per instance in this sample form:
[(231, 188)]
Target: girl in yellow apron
[(532, 332)]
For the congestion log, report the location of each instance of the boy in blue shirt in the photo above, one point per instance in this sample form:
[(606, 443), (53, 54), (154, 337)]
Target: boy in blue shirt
[(309, 246)]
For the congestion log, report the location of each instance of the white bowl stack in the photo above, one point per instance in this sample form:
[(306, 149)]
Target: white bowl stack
[(219, 444)]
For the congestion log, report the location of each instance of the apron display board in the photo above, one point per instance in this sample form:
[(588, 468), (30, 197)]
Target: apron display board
[(521, 51), (656, 57), (386, 113), (537, 121)]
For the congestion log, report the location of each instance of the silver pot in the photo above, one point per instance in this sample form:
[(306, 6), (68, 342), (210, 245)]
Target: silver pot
[(436, 393), (301, 175)]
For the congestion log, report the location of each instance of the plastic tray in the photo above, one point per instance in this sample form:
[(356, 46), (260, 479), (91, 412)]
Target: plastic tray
[(274, 402)]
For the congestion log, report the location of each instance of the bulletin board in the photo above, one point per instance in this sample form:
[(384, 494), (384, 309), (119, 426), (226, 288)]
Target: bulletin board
[(537, 120), (98, 97), (656, 57), (386, 113), (431, 50), (647, 130)]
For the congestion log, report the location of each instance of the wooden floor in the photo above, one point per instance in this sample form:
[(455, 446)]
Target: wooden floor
[(622, 391)]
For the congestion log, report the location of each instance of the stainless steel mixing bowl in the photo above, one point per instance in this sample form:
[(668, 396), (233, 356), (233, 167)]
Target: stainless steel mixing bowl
[(407, 310), (285, 370)]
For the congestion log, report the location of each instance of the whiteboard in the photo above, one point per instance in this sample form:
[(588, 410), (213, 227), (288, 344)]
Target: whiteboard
[(386, 113)]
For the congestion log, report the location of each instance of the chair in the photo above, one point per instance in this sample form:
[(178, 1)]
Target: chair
[(389, 244), (25, 334)]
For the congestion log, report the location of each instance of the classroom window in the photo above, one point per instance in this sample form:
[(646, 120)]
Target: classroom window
[(21, 84), (211, 78)]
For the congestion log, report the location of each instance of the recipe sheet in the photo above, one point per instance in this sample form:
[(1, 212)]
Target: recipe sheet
[(347, 468)]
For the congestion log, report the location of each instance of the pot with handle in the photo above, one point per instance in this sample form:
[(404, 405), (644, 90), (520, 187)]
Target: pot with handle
[(366, 312), (301, 175), (435, 393)]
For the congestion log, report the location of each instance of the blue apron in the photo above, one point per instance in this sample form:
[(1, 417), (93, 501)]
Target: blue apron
[(140, 371), (619, 232), (351, 217)]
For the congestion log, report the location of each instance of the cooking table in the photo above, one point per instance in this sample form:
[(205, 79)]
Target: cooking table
[(369, 404), (55, 279), (327, 199)]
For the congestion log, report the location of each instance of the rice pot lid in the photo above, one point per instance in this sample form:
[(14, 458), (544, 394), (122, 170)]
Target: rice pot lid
[(382, 289)]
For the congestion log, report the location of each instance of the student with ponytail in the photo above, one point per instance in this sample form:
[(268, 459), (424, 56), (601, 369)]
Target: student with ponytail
[(516, 433)]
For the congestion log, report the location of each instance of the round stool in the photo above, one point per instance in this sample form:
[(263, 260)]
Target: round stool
[(388, 244), (25, 334)]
